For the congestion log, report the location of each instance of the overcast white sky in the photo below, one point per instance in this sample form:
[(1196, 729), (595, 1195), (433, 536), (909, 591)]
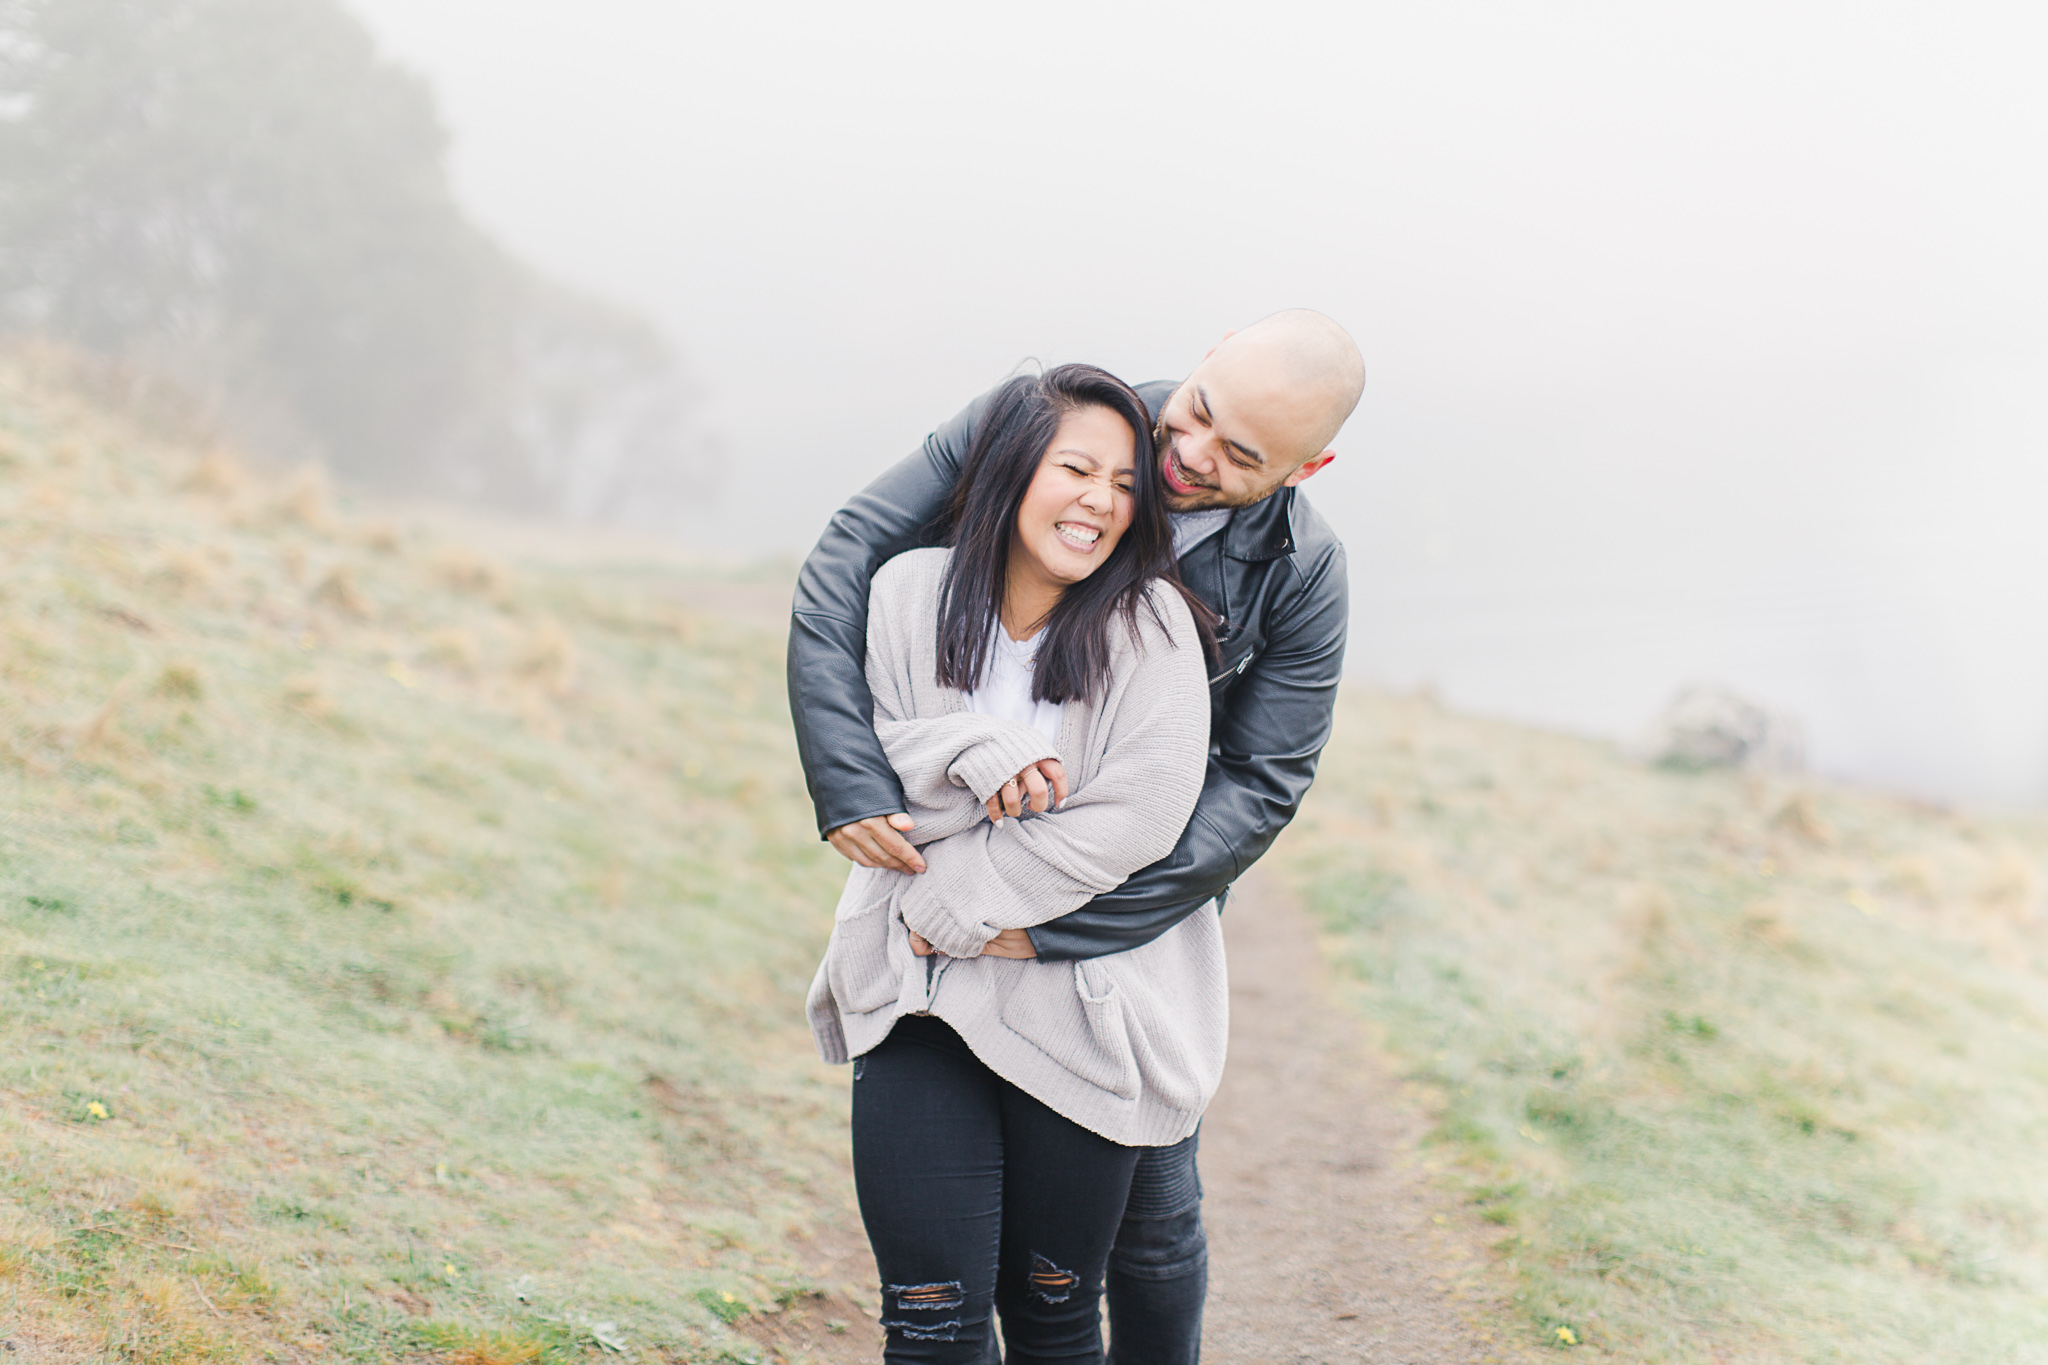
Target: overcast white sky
[(1704, 342)]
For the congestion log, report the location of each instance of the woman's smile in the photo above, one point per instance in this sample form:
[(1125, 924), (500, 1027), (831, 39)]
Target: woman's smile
[(1080, 535)]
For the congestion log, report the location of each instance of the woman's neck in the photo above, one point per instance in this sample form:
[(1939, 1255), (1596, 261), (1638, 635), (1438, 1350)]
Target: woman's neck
[(1028, 597)]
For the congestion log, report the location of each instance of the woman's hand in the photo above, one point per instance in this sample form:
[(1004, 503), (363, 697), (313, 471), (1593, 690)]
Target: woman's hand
[(1041, 786), (1009, 943)]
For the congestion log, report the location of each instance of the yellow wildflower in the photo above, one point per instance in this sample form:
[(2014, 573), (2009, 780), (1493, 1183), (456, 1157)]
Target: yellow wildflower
[(1567, 1336)]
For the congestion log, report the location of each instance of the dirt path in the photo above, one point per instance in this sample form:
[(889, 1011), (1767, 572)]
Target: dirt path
[(1328, 1245), (1327, 1242)]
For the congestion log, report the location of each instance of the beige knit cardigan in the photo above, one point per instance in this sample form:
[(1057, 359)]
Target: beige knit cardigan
[(1130, 1045)]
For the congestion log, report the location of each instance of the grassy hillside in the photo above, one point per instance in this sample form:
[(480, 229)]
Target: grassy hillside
[(1743, 1071), (400, 960), (399, 956)]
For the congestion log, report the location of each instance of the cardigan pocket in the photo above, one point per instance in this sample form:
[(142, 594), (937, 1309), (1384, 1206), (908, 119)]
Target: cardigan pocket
[(860, 964), (1179, 1071), (1083, 1029)]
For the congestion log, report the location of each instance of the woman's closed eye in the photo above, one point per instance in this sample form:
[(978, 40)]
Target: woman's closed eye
[(1121, 481)]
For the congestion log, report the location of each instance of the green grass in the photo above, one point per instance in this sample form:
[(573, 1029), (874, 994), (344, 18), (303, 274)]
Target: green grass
[(1741, 1071), (400, 956), (401, 959)]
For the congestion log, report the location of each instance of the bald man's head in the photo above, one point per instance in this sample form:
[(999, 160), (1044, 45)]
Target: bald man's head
[(1259, 413), (1310, 353)]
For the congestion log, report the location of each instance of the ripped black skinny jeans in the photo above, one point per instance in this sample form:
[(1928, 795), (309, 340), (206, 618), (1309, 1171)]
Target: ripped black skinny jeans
[(980, 1201)]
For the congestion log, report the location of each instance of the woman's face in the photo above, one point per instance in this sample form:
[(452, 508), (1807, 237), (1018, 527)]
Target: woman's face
[(1079, 502)]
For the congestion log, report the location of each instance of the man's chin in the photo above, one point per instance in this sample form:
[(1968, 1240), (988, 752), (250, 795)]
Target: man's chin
[(1201, 500)]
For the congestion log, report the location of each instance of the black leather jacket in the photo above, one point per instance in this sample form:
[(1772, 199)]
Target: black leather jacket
[(1274, 574)]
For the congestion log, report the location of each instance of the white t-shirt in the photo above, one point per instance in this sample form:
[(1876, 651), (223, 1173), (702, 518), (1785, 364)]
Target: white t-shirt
[(1005, 690)]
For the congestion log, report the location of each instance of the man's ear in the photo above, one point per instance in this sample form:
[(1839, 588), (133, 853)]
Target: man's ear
[(1308, 469)]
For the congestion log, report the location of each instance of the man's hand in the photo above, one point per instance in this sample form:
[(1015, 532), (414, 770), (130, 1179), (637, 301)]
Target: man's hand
[(1009, 943), (1041, 786), (878, 842)]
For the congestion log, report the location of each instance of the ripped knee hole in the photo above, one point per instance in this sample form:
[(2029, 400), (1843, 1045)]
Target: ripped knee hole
[(938, 1297), (1049, 1282)]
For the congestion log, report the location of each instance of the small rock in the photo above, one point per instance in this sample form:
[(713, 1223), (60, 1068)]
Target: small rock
[(1711, 726)]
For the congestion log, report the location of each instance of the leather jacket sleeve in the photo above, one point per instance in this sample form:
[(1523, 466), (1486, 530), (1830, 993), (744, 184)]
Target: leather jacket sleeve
[(1263, 748), (849, 777)]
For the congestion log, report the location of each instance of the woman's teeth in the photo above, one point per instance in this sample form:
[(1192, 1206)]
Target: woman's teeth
[(1080, 537)]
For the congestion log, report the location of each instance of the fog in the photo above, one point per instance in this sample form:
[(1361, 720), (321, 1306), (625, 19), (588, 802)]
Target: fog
[(1702, 344)]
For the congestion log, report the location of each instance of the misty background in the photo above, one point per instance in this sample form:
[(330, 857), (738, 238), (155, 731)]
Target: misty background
[(1701, 344)]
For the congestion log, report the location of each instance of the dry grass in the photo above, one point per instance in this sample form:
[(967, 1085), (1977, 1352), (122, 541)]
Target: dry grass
[(1745, 1071), (401, 953)]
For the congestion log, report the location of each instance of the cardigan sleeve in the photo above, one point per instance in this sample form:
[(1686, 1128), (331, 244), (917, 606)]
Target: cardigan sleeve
[(950, 765), (985, 879)]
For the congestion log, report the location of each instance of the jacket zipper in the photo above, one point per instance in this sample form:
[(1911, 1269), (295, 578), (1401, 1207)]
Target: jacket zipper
[(1240, 666), (1222, 586)]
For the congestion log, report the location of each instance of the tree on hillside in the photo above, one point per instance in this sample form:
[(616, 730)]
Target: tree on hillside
[(243, 195)]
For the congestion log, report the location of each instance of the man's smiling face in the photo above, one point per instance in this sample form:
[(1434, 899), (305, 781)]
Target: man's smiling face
[(1241, 427)]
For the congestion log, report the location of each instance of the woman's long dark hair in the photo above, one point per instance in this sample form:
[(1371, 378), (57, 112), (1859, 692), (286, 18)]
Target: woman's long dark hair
[(1009, 443)]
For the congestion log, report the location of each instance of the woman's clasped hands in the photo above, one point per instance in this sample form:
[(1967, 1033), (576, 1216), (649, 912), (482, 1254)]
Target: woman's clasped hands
[(1041, 786)]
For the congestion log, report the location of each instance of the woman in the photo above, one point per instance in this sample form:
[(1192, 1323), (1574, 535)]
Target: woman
[(999, 1104)]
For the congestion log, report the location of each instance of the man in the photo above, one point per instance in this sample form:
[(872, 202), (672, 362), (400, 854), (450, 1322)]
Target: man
[(1235, 440)]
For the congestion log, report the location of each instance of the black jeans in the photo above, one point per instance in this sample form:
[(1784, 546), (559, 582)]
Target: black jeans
[(1159, 1267), (980, 1200)]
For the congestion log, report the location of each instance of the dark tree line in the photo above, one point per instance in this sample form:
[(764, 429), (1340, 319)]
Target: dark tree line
[(242, 195)]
